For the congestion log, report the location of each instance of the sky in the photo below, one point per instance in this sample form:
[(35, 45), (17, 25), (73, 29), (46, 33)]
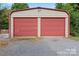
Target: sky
[(47, 5)]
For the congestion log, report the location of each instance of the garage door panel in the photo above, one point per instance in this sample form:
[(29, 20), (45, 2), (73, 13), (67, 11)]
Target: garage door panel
[(25, 26), (52, 26), (54, 34), (27, 33)]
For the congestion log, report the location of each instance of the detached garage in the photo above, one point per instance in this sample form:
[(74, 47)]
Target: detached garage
[(37, 22)]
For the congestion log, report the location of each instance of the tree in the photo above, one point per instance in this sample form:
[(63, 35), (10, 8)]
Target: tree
[(4, 12), (59, 5), (19, 6), (73, 10), (1, 22)]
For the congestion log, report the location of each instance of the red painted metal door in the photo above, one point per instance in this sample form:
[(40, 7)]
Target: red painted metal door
[(52, 26), (25, 26)]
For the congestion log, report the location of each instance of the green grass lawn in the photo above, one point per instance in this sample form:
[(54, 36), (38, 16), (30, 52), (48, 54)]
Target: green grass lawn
[(75, 38)]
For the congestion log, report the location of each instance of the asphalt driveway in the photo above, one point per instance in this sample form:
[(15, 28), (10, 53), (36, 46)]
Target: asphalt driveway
[(56, 46)]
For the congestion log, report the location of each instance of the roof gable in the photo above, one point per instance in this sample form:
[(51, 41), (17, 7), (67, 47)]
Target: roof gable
[(39, 11)]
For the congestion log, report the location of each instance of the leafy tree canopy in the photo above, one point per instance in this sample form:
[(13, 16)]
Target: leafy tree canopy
[(73, 10), (19, 6)]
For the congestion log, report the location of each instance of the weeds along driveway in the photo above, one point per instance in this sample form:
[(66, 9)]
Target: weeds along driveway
[(41, 47)]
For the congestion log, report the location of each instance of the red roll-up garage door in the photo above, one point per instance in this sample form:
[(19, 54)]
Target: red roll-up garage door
[(25, 26), (52, 26)]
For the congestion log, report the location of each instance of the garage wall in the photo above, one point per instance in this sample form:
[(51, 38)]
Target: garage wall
[(40, 13)]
